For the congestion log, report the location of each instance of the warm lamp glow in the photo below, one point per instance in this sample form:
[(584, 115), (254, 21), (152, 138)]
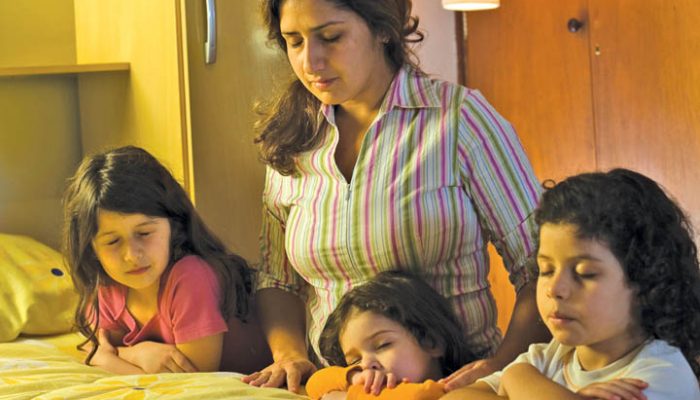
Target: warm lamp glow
[(470, 5)]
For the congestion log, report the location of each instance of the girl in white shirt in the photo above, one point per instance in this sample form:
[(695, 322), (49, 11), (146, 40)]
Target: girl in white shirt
[(618, 288)]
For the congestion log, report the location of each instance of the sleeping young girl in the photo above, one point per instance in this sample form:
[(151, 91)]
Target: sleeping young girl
[(393, 337)]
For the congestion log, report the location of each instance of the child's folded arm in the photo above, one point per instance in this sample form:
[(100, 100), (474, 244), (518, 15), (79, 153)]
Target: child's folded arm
[(524, 381), (154, 357), (107, 357), (202, 354)]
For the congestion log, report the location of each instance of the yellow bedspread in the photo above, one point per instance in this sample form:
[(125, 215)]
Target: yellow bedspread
[(50, 369)]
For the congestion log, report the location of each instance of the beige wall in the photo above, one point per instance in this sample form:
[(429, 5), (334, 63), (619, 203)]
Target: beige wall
[(39, 129), (438, 52)]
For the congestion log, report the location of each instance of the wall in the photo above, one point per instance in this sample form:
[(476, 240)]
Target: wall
[(39, 128), (438, 52)]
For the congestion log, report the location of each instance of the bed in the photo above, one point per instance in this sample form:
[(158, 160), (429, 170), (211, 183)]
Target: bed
[(38, 355)]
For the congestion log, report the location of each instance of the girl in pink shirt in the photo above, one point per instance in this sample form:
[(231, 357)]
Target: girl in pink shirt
[(158, 291)]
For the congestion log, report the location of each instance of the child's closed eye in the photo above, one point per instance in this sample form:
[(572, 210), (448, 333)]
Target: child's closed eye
[(383, 345), (545, 272), (586, 275), (331, 39), (353, 361)]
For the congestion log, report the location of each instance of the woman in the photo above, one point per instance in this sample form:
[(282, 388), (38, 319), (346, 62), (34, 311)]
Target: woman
[(373, 166)]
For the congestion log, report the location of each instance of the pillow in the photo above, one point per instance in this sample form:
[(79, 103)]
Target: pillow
[(36, 291)]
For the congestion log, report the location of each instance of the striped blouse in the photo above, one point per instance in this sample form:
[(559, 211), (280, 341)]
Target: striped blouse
[(439, 174)]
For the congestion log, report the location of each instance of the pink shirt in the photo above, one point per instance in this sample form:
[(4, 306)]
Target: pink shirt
[(188, 306)]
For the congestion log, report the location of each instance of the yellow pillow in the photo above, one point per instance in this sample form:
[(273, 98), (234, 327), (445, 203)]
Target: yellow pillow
[(36, 292)]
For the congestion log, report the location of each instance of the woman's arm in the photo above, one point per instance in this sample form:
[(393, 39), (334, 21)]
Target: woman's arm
[(282, 316), (504, 190), (524, 328)]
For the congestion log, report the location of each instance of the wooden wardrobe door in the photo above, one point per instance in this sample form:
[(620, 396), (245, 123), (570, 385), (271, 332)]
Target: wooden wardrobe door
[(228, 176), (647, 91), (536, 73)]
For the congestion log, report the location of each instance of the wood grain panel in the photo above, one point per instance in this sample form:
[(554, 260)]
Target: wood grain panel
[(39, 127), (36, 32), (62, 69), (37, 154), (228, 177), (536, 73), (647, 91), (144, 107)]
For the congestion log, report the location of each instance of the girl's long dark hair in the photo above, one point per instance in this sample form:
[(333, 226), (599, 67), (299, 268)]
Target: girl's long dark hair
[(288, 124), (412, 303), (651, 237), (130, 180)]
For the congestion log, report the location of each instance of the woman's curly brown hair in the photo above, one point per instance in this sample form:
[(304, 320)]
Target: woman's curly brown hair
[(651, 237)]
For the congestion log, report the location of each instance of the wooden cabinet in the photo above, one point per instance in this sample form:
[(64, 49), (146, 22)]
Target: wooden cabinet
[(145, 107), (155, 91), (621, 91), (40, 112), (227, 174), (197, 117)]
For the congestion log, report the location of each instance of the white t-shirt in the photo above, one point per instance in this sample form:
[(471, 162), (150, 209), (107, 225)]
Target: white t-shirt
[(660, 365)]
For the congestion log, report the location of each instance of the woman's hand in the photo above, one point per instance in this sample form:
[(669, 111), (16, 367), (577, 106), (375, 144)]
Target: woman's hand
[(373, 380), (154, 357), (618, 389), (291, 371), (282, 318), (469, 373)]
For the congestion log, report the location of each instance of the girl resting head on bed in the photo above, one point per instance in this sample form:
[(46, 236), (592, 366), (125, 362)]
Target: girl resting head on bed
[(393, 337), (158, 291)]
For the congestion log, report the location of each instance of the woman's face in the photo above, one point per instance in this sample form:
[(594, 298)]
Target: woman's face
[(333, 52)]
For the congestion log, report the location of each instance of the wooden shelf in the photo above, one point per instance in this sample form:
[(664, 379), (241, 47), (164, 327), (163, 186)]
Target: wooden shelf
[(63, 69)]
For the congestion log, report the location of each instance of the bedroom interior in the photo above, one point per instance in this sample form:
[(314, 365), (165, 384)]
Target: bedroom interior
[(77, 76)]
